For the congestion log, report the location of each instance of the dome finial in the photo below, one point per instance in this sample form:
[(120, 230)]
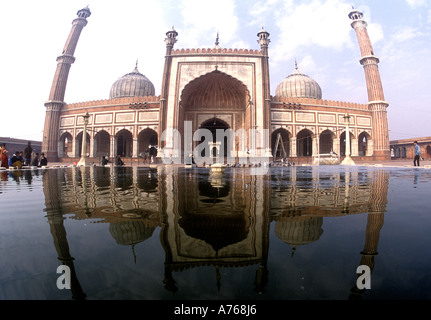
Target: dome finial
[(296, 71)]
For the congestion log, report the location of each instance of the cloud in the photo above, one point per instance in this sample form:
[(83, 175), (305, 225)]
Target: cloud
[(417, 3), (400, 45), (405, 34), (262, 12), (316, 23), (203, 19), (375, 31)]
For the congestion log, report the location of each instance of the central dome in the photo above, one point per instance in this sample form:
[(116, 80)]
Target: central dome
[(298, 85), (133, 84)]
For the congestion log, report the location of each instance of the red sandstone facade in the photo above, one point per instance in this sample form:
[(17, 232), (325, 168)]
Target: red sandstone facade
[(217, 88)]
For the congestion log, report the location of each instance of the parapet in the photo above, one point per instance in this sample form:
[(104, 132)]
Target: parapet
[(113, 102), (321, 102), (216, 51)]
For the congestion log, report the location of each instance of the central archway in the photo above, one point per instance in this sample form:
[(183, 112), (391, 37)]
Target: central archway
[(219, 148), (214, 101)]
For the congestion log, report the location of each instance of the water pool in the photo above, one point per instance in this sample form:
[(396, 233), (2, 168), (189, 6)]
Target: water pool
[(168, 233)]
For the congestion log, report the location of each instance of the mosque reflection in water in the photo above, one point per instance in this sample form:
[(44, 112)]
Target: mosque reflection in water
[(218, 220)]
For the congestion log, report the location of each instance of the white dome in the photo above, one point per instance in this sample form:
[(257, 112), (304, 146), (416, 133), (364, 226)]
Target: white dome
[(298, 85), (133, 84)]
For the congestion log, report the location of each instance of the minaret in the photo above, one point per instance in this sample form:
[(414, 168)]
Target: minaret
[(376, 99), (264, 41), (170, 40), (56, 96)]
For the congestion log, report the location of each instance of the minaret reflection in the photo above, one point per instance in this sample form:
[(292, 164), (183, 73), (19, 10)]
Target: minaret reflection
[(375, 220), (302, 197), (54, 214), (128, 201)]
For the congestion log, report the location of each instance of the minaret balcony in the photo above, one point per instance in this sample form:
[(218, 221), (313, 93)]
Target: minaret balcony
[(370, 59), (66, 58)]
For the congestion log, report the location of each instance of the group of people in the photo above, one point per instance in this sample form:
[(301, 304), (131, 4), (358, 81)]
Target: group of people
[(118, 162), (19, 159), (31, 158), (148, 156)]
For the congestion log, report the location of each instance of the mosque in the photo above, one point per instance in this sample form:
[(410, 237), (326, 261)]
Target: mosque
[(220, 90)]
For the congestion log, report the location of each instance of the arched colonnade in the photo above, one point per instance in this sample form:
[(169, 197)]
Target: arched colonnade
[(101, 143), (308, 144)]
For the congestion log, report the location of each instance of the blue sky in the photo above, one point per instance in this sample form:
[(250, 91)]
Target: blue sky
[(316, 33)]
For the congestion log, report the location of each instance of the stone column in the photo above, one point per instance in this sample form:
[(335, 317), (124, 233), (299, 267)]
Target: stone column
[(355, 147), (113, 147), (92, 147), (315, 146), (135, 148), (293, 151), (336, 145)]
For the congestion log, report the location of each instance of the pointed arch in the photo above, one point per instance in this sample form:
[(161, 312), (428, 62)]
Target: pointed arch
[(124, 139), (363, 143), (343, 142), (304, 143), (147, 143), (65, 145), (215, 90), (282, 148), (102, 143), (326, 141)]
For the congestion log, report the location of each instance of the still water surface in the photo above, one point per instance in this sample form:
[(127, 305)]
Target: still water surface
[(176, 233)]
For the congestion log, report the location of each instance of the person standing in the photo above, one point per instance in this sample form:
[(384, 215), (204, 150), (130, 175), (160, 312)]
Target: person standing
[(417, 154), (4, 158), (27, 154)]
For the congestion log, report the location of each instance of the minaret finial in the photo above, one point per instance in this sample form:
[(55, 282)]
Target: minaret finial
[(217, 41), (171, 38)]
